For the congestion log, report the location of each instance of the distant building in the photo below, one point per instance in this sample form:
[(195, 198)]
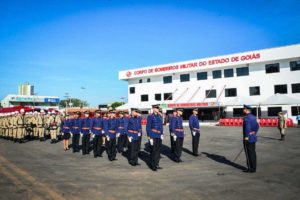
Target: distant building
[(26, 89), (44, 102)]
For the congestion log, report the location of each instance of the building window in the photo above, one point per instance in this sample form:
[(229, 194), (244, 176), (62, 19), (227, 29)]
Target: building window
[(281, 89), (184, 77), (242, 71), (148, 80), (168, 96), (141, 81), (167, 79), (272, 68), (228, 73), (217, 74), (238, 112), (254, 90), (144, 97), (296, 88), (132, 90), (295, 110), (230, 92), (211, 93), (295, 65), (273, 111), (202, 76), (158, 97)]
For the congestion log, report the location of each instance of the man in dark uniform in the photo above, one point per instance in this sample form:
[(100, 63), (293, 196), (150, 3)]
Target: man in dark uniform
[(177, 129), (121, 135), (85, 130), (154, 130), (171, 117), (75, 132), (134, 134), (139, 116), (97, 130), (195, 131), (111, 128), (250, 129)]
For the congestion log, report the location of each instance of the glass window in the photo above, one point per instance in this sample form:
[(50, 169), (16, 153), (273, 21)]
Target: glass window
[(272, 68), (228, 73), (242, 71), (282, 89), (158, 97), (230, 92), (132, 90), (273, 111), (211, 93), (184, 77), (295, 65), (254, 90), (238, 112), (148, 80), (202, 76), (141, 81), (295, 110), (144, 97), (217, 74), (168, 96), (167, 79), (296, 88)]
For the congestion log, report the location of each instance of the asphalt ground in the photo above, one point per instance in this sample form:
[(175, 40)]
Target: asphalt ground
[(40, 170)]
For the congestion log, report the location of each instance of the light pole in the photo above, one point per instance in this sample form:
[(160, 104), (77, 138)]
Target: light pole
[(66, 96), (34, 94), (82, 88)]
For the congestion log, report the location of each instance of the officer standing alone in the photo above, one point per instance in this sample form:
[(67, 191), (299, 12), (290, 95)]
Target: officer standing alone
[(195, 131)]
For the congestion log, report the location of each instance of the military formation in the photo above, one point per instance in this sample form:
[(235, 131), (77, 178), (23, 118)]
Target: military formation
[(116, 134)]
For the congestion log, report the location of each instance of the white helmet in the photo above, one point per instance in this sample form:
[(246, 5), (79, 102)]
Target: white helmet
[(22, 110), (42, 111)]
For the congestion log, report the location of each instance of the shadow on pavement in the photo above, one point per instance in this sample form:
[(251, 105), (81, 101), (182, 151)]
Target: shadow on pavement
[(270, 138), (224, 160)]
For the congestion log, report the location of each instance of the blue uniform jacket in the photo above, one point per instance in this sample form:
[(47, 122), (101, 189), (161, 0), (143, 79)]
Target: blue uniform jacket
[(85, 125), (111, 127), (97, 126), (140, 124), (75, 129), (121, 126), (134, 128), (171, 117), (177, 126), (154, 126), (250, 125), (194, 123), (66, 126)]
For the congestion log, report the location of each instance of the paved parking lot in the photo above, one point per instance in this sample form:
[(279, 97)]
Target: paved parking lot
[(40, 170)]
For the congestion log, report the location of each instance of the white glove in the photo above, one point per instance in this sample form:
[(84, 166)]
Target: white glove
[(107, 137), (62, 133), (93, 136), (151, 142), (81, 134), (130, 139), (194, 133), (175, 137), (162, 137), (172, 134), (71, 134), (139, 134), (118, 134), (103, 131)]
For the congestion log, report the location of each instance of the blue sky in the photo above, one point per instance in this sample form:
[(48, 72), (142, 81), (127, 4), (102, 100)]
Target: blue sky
[(61, 45)]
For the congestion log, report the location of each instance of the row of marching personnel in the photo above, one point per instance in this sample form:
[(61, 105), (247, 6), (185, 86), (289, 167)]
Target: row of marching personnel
[(108, 132), (18, 126)]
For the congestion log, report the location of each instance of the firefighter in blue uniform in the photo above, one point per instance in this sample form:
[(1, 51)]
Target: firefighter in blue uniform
[(98, 132), (85, 131), (134, 134), (122, 132), (195, 131), (139, 116), (75, 132), (154, 130), (250, 129), (111, 128), (66, 126), (177, 129), (171, 117)]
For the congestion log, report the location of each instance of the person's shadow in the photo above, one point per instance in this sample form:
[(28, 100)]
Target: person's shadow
[(270, 138), (223, 160)]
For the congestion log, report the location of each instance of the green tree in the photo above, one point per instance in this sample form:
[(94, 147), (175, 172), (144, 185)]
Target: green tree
[(75, 103), (116, 104)]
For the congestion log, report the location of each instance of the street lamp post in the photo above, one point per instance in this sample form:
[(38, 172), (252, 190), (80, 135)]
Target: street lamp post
[(66, 96), (82, 88)]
